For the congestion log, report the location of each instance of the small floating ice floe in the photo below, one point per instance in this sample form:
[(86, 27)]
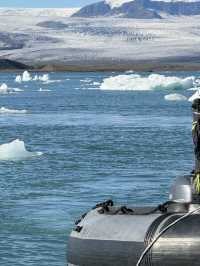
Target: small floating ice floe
[(35, 77), (4, 110), (86, 80), (4, 89), (96, 83), (18, 79), (15, 151), (129, 72), (44, 77), (175, 97), (43, 90)]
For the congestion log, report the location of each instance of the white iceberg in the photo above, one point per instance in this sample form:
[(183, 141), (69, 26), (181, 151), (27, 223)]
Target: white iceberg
[(4, 110), (18, 79), (4, 89), (135, 82), (35, 77), (44, 77), (175, 97), (26, 76), (15, 151), (196, 95)]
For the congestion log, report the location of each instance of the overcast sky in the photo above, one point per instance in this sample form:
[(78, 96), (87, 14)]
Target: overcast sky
[(45, 3)]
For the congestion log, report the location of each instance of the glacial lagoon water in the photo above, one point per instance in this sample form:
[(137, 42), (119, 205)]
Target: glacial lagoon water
[(96, 144)]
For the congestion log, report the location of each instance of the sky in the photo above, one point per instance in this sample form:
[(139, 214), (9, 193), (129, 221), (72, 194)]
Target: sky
[(45, 3)]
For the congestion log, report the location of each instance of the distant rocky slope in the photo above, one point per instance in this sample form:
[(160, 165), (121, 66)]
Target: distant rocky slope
[(6, 64), (141, 9)]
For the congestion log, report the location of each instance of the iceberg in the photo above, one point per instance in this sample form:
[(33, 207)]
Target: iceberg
[(15, 151), (44, 77), (135, 82), (175, 97), (4, 89), (26, 76), (35, 77), (18, 79)]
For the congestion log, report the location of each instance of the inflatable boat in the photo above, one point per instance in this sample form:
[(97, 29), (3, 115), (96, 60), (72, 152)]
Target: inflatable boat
[(165, 235)]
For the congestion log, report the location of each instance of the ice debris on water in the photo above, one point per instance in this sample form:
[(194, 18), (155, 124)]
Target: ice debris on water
[(4, 110)]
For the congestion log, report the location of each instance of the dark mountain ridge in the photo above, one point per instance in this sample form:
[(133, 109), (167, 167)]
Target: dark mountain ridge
[(141, 9)]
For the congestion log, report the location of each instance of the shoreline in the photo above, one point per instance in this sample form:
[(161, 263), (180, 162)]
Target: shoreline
[(178, 65), (107, 69)]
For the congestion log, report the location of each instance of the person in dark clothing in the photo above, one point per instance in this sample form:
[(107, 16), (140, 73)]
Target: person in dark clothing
[(196, 141)]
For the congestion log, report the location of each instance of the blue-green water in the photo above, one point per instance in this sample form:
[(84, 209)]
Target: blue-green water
[(127, 146)]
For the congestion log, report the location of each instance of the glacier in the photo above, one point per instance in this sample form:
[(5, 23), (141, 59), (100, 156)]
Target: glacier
[(98, 42)]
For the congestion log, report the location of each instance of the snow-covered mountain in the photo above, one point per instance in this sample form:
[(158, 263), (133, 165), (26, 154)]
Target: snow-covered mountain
[(143, 9), (38, 12)]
